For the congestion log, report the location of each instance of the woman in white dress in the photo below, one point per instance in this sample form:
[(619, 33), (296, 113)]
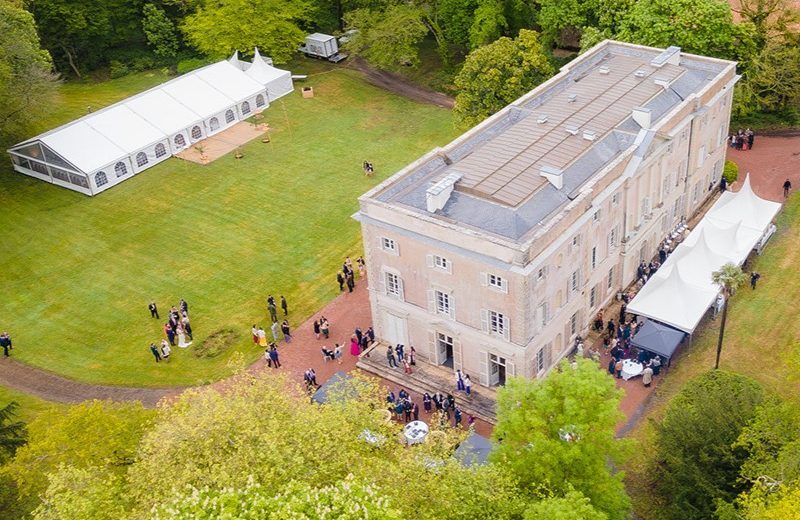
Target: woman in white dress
[(182, 337), (165, 350)]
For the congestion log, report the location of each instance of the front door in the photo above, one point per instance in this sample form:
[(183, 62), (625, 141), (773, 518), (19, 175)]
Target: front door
[(444, 346), (395, 330), (497, 370)]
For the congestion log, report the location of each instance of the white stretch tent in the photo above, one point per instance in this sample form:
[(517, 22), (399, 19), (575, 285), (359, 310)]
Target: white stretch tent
[(277, 82), (104, 148), (681, 291)]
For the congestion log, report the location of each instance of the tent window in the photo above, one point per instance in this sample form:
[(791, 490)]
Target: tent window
[(58, 173), (196, 133), (141, 159), (245, 108), (229, 116), (78, 180), (180, 142), (213, 123), (100, 178), (161, 151), (120, 169), (259, 100), (39, 167)]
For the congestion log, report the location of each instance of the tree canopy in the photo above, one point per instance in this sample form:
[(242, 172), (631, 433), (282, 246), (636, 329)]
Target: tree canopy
[(496, 74)]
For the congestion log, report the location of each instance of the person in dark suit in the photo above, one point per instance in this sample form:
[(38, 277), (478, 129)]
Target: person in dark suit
[(153, 310), (340, 279), (155, 352), (284, 306), (184, 307), (5, 342), (170, 333)]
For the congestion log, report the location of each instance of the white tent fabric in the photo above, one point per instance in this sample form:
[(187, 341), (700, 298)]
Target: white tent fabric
[(236, 62), (142, 130), (681, 291), (278, 82)]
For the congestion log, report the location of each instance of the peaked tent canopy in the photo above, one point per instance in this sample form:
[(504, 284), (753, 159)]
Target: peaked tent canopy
[(277, 82), (658, 338), (236, 62)]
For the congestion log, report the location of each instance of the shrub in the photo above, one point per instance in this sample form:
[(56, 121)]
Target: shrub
[(217, 343), (142, 63), (730, 172), (118, 69)]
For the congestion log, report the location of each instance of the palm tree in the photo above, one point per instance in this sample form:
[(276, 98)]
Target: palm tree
[(729, 277)]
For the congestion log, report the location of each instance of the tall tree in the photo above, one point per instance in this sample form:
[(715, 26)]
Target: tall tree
[(388, 38), (771, 82), (696, 463), (729, 277), (13, 433), (274, 26), (488, 24), (27, 84), (773, 19), (558, 433), (496, 74), (160, 32)]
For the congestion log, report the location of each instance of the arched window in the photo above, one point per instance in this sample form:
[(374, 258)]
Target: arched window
[(180, 142), (213, 123), (229, 116), (141, 159), (245, 108), (259, 100), (196, 132), (120, 169), (100, 178), (161, 151)]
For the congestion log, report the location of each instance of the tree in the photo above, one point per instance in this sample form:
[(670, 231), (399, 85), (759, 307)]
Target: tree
[(771, 82), (26, 81), (572, 506), (488, 24), (559, 17), (13, 434), (496, 74), (696, 463), (773, 19), (729, 278), (558, 433), (387, 38), (456, 18), (160, 32), (698, 26), (274, 26)]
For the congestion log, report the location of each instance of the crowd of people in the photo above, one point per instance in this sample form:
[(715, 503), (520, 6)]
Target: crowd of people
[(397, 355), (347, 276), (742, 140), (403, 408), (177, 328)]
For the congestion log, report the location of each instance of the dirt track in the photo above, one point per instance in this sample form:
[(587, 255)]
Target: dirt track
[(399, 85)]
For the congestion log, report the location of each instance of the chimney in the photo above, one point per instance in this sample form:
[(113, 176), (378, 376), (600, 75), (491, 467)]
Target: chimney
[(589, 135), (572, 97), (554, 175), (542, 119), (671, 55), (642, 116), (437, 195), (604, 69), (572, 130)]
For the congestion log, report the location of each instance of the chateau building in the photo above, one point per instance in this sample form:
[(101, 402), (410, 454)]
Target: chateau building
[(492, 253)]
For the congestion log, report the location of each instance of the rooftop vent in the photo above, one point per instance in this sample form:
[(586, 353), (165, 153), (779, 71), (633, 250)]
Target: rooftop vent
[(640, 73), (662, 82), (671, 55), (554, 175), (542, 119), (642, 116), (572, 130), (589, 135), (437, 195), (604, 69), (572, 98)]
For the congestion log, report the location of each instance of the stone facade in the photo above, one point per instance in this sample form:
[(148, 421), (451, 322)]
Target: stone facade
[(473, 294)]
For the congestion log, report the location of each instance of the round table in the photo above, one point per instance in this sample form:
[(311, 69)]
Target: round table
[(631, 368), (415, 432)]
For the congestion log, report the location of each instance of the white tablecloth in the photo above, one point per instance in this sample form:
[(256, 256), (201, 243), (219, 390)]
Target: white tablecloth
[(631, 369), (415, 432)]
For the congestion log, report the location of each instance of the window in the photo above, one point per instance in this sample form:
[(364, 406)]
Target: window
[(696, 192), (701, 156), (141, 159), (593, 297), (79, 180), (573, 324), (180, 142), (213, 124), (229, 116), (439, 262), (245, 108), (611, 277), (498, 323), (389, 245), (58, 173), (394, 285), (575, 241), (717, 172), (196, 132), (720, 135), (543, 314), (596, 216), (615, 199), (612, 238), (539, 362), (442, 300), (594, 257), (100, 179), (574, 280), (496, 282), (161, 150), (260, 100), (540, 275), (120, 169)]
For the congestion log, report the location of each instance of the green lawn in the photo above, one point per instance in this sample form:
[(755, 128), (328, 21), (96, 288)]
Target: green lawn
[(78, 272), (761, 341)]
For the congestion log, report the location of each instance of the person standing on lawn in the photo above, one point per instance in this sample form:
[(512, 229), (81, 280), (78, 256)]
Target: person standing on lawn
[(254, 332), (153, 310), (274, 329), (284, 306), (340, 280), (170, 332), (273, 311), (5, 342), (154, 350), (165, 350), (184, 307)]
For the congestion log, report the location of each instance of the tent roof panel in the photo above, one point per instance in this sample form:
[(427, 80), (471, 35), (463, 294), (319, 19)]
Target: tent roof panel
[(125, 128), (84, 146), (263, 73), (197, 95), (163, 111), (658, 338), (229, 80)]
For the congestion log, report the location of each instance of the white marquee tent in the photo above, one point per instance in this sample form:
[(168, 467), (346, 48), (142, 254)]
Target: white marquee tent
[(681, 291), (277, 82), (106, 147)]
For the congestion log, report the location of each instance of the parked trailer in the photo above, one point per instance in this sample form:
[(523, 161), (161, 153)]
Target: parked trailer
[(322, 46)]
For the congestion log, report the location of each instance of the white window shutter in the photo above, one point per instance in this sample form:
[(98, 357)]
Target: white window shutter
[(432, 355), (548, 355), (429, 260), (449, 266), (504, 285), (506, 328), (456, 355), (511, 369), (402, 294), (382, 282), (452, 312), (540, 318), (484, 320), (431, 300), (483, 362), (484, 279)]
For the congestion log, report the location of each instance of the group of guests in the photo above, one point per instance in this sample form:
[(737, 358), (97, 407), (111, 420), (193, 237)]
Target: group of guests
[(176, 329), (368, 168), (259, 335), (617, 341), (347, 275), (397, 355), (272, 308), (742, 140), (403, 408)]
